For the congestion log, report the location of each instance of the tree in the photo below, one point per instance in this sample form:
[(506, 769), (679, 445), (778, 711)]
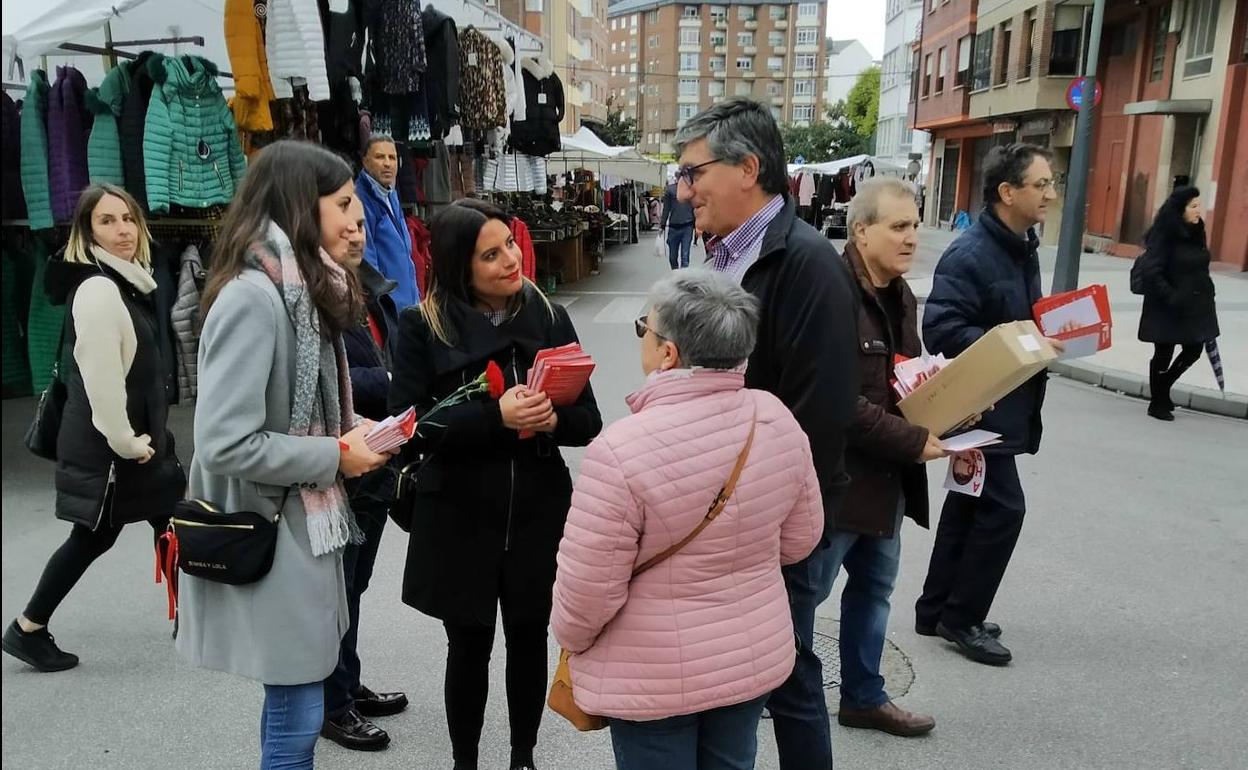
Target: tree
[(831, 139), (618, 131), (862, 106)]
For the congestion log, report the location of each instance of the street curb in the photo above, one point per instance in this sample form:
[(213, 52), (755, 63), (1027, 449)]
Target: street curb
[(1194, 398)]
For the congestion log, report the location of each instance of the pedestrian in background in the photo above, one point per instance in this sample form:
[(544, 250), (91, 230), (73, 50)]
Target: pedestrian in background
[(275, 433), (682, 657), (885, 454), (677, 224), (733, 172), (988, 276), (115, 459), (389, 245), (1179, 307), (489, 507), (370, 352)]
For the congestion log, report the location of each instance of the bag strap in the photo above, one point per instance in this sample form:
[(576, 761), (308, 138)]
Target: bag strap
[(717, 506)]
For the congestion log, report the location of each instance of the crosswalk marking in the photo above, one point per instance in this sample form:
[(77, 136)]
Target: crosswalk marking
[(621, 310)]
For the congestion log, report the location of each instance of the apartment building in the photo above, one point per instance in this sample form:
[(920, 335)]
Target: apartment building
[(1174, 75), (844, 62), (895, 138), (667, 61)]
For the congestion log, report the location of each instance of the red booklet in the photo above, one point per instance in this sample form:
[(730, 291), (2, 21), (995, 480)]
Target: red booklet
[(561, 373), (1085, 314)]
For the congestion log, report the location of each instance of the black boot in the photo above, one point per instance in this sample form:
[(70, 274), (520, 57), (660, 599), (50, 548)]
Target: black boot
[(37, 648), (1160, 406)]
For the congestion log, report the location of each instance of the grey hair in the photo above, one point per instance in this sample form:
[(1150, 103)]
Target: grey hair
[(737, 128), (865, 206), (712, 321), (378, 139)]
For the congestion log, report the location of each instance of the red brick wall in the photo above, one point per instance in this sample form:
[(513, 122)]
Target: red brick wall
[(943, 28)]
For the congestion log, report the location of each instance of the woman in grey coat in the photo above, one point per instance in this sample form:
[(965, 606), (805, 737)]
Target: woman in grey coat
[(274, 400)]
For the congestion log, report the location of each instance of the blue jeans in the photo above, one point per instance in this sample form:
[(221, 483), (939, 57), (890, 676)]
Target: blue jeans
[(871, 564), (290, 724), (798, 708), (725, 738), (679, 243)]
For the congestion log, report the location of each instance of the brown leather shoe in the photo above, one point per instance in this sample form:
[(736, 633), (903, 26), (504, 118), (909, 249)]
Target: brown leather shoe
[(887, 718)]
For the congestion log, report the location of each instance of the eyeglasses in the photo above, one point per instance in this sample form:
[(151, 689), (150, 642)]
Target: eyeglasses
[(641, 327), (1043, 185), (687, 174)]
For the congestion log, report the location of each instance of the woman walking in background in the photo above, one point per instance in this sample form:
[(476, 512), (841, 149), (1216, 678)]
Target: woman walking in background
[(1179, 308), (489, 507), (274, 400), (115, 458)]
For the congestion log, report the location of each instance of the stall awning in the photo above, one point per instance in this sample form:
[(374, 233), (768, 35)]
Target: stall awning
[(882, 167), (585, 150)]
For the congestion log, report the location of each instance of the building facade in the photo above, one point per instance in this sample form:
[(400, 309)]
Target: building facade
[(896, 140), (844, 62), (667, 61)]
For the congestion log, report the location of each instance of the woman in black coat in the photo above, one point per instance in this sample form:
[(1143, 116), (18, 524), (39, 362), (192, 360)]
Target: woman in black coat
[(1178, 296), (115, 460), (489, 507)]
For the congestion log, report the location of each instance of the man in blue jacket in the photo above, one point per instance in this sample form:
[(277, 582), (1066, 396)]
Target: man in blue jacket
[(389, 247), (988, 276)]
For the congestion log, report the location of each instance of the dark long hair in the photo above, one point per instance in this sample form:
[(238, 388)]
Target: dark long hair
[(452, 244), (1169, 226), (284, 184)]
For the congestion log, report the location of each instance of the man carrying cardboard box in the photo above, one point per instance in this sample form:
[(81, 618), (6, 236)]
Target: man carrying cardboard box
[(988, 276)]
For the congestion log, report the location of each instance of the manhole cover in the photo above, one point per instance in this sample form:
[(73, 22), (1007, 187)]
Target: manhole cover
[(895, 666)]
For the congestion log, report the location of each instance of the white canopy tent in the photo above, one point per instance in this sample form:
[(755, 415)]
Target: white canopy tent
[(882, 167), (585, 150)]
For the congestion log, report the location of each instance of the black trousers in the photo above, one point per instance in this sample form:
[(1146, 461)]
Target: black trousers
[(343, 684), (974, 542), (1165, 369), (468, 686), (69, 562)]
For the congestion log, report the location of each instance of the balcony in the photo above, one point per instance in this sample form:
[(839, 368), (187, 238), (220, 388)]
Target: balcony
[(690, 48), (687, 99), (778, 75), (808, 21), (780, 24), (780, 50), (748, 75), (721, 49), (719, 70), (751, 24), (690, 21), (777, 101), (693, 73), (721, 23), (749, 50)]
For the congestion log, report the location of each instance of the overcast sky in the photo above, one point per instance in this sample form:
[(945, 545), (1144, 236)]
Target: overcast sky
[(858, 19)]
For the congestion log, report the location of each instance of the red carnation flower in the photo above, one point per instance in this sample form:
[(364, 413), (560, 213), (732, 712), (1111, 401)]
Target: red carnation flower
[(494, 380)]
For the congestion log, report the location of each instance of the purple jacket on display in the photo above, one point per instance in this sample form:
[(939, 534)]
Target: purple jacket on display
[(69, 126)]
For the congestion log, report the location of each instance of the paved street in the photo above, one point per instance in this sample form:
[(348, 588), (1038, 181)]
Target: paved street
[(1124, 607)]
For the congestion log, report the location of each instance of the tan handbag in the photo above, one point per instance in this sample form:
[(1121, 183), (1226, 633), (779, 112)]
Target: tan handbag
[(560, 699)]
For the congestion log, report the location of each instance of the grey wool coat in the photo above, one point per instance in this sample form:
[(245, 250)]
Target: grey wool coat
[(286, 628)]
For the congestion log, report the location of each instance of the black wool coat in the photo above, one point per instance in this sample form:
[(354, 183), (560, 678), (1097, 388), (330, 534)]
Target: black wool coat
[(1179, 304), (489, 508)]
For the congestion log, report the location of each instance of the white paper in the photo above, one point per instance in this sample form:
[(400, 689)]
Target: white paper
[(1082, 346), (970, 440), (1078, 314), (1029, 343), (472, 59), (966, 473), (541, 98)]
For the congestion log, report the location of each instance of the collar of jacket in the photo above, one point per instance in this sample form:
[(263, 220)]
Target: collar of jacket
[(538, 66), (61, 277), (776, 236), (375, 284), (859, 266), (477, 338), (677, 385), (1018, 246), (377, 189)]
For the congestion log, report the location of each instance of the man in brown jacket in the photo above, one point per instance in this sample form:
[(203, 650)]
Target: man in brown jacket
[(884, 454)]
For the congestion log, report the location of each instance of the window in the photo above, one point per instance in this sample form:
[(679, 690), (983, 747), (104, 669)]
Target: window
[(932, 8), (1161, 28), (745, 12), (743, 88), (775, 39), (961, 80), (894, 7), (927, 78), (718, 13), (633, 19), (1067, 39), (775, 64), (688, 86), (1029, 54), (690, 12), (690, 36), (745, 63), (1201, 32), (614, 25), (778, 12), (718, 64), (942, 64), (807, 36), (804, 62), (719, 38), (533, 6), (888, 76), (914, 77), (688, 61), (884, 130), (1003, 68), (803, 88), (632, 46), (715, 88), (687, 111), (775, 89), (652, 41), (982, 77), (808, 11), (745, 39), (804, 112)]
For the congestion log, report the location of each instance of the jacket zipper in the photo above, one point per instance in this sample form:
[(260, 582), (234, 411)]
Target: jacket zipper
[(511, 489), (108, 486), (185, 522)]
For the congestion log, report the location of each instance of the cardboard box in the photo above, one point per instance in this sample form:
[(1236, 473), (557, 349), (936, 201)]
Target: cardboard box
[(987, 371)]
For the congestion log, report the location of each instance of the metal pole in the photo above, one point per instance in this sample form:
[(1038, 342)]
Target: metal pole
[(1074, 212)]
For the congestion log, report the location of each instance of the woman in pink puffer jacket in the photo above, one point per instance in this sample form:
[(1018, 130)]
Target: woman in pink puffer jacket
[(682, 658)]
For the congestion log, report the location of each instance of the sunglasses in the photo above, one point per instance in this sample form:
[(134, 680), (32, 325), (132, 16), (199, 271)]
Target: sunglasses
[(689, 175), (641, 327)]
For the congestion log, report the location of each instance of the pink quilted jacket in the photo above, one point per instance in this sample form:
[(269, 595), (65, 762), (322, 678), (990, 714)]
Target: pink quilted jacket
[(710, 626)]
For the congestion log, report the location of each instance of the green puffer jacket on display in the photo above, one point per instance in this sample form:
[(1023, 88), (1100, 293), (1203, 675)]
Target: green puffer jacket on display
[(35, 182), (191, 151), (104, 145)]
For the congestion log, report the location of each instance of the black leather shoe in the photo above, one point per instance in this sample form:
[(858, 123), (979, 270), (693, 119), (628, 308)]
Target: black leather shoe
[(352, 731), (379, 704), (1158, 412), (992, 629), (976, 644), (37, 649)]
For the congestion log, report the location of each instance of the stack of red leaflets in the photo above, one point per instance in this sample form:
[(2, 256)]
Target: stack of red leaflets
[(1080, 318), (561, 373), (392, 432), (913, 372)]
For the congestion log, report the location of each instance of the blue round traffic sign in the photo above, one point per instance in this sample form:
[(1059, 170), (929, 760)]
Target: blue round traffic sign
[(1074, 93)]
